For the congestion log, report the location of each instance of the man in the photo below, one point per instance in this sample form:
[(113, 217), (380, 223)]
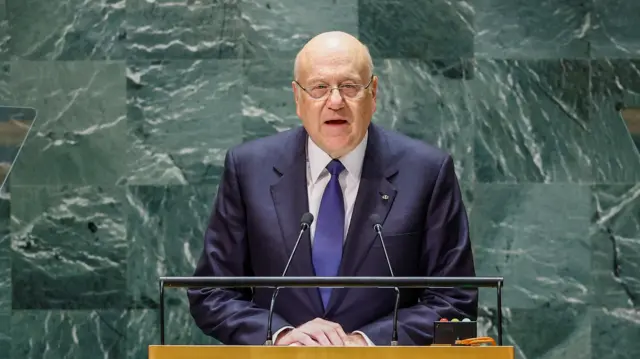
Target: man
[(342, 169)]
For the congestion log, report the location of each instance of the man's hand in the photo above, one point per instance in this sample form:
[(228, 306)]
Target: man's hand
[(313, 333), (356, 340)]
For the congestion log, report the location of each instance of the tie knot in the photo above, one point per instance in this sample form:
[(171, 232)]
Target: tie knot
[(335, 167)]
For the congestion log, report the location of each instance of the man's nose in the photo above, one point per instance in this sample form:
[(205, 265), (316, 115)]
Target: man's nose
[(335, 99)]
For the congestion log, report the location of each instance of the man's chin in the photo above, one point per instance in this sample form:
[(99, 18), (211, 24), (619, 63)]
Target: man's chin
[(336, 133), (338, 148)]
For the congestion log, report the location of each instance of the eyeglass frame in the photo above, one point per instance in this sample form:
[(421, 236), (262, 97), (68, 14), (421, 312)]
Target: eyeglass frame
[(330, 89)]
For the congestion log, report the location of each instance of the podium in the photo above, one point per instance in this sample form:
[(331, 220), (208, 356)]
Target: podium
[(274, 352), (436, 351)]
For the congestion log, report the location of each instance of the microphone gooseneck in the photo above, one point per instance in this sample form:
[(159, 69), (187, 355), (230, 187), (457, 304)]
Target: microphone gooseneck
[(305, 223), (378, 228)]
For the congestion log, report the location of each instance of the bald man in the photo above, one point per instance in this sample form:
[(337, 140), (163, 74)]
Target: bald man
[(345, 171)]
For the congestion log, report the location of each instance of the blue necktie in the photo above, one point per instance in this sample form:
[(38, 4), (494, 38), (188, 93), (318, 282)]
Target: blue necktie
[(329, 233)]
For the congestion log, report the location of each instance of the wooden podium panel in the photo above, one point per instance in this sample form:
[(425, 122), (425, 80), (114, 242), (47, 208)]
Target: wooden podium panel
[(278, 352)]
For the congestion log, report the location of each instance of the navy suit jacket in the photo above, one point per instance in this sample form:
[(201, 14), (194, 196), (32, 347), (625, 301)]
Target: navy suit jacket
[(256, 220)]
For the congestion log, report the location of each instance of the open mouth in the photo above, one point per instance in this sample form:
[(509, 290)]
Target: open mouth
[(336, 122)]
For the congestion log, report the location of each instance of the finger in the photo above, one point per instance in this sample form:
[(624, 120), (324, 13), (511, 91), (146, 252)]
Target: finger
[(328, 328), (287, 339), (339, 333), (334, 337), (296, 337), (334, 332), (335, 326), (317, 333), (338, 329), (306, 340)]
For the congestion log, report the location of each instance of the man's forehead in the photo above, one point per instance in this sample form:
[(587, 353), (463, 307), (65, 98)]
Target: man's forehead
[(323, 70), (333, 57), (334, 74)]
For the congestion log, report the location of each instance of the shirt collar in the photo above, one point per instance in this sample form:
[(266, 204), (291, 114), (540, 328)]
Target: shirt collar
[(352, 161)]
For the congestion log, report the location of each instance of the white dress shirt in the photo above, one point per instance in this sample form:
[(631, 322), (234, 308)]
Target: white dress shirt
[(317, 179)]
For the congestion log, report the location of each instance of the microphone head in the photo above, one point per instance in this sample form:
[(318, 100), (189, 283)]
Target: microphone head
[(375, 218), (306, 219)]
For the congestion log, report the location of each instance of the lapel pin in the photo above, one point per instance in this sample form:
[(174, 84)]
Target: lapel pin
[(385, 197)]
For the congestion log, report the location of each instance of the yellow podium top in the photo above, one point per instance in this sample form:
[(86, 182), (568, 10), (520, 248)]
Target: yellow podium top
[(279, 352)]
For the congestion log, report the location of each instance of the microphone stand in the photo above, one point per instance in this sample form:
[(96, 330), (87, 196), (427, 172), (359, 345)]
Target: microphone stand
[(269, 340), (394, 333), (307, 218)]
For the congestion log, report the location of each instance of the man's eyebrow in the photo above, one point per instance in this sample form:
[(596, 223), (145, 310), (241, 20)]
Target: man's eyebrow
[(346, 78)]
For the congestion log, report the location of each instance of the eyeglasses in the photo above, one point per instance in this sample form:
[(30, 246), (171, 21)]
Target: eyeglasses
[(346, 90)]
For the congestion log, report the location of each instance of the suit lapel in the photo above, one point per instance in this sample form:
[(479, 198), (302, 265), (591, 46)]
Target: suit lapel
[(290, 200), (375, 195)]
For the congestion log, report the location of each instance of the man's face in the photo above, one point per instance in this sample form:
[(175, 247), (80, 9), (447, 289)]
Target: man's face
[(336, 123)]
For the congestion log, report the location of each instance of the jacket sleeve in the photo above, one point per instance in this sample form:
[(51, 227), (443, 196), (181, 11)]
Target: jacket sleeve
[(229, 315), (446, 252)]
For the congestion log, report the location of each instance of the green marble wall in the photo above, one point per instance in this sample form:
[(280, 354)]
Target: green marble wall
[(139, 101)]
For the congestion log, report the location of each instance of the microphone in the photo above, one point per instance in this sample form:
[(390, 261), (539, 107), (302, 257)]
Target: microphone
[(378, 228), (305, 223)]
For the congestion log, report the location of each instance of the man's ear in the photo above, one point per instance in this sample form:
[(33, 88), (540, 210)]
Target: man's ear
[(295, 89), (296, 96), (374, 93), (374, 87)]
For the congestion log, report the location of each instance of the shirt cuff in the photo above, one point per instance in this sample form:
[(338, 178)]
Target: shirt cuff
[(275, 336), (366, 338)]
